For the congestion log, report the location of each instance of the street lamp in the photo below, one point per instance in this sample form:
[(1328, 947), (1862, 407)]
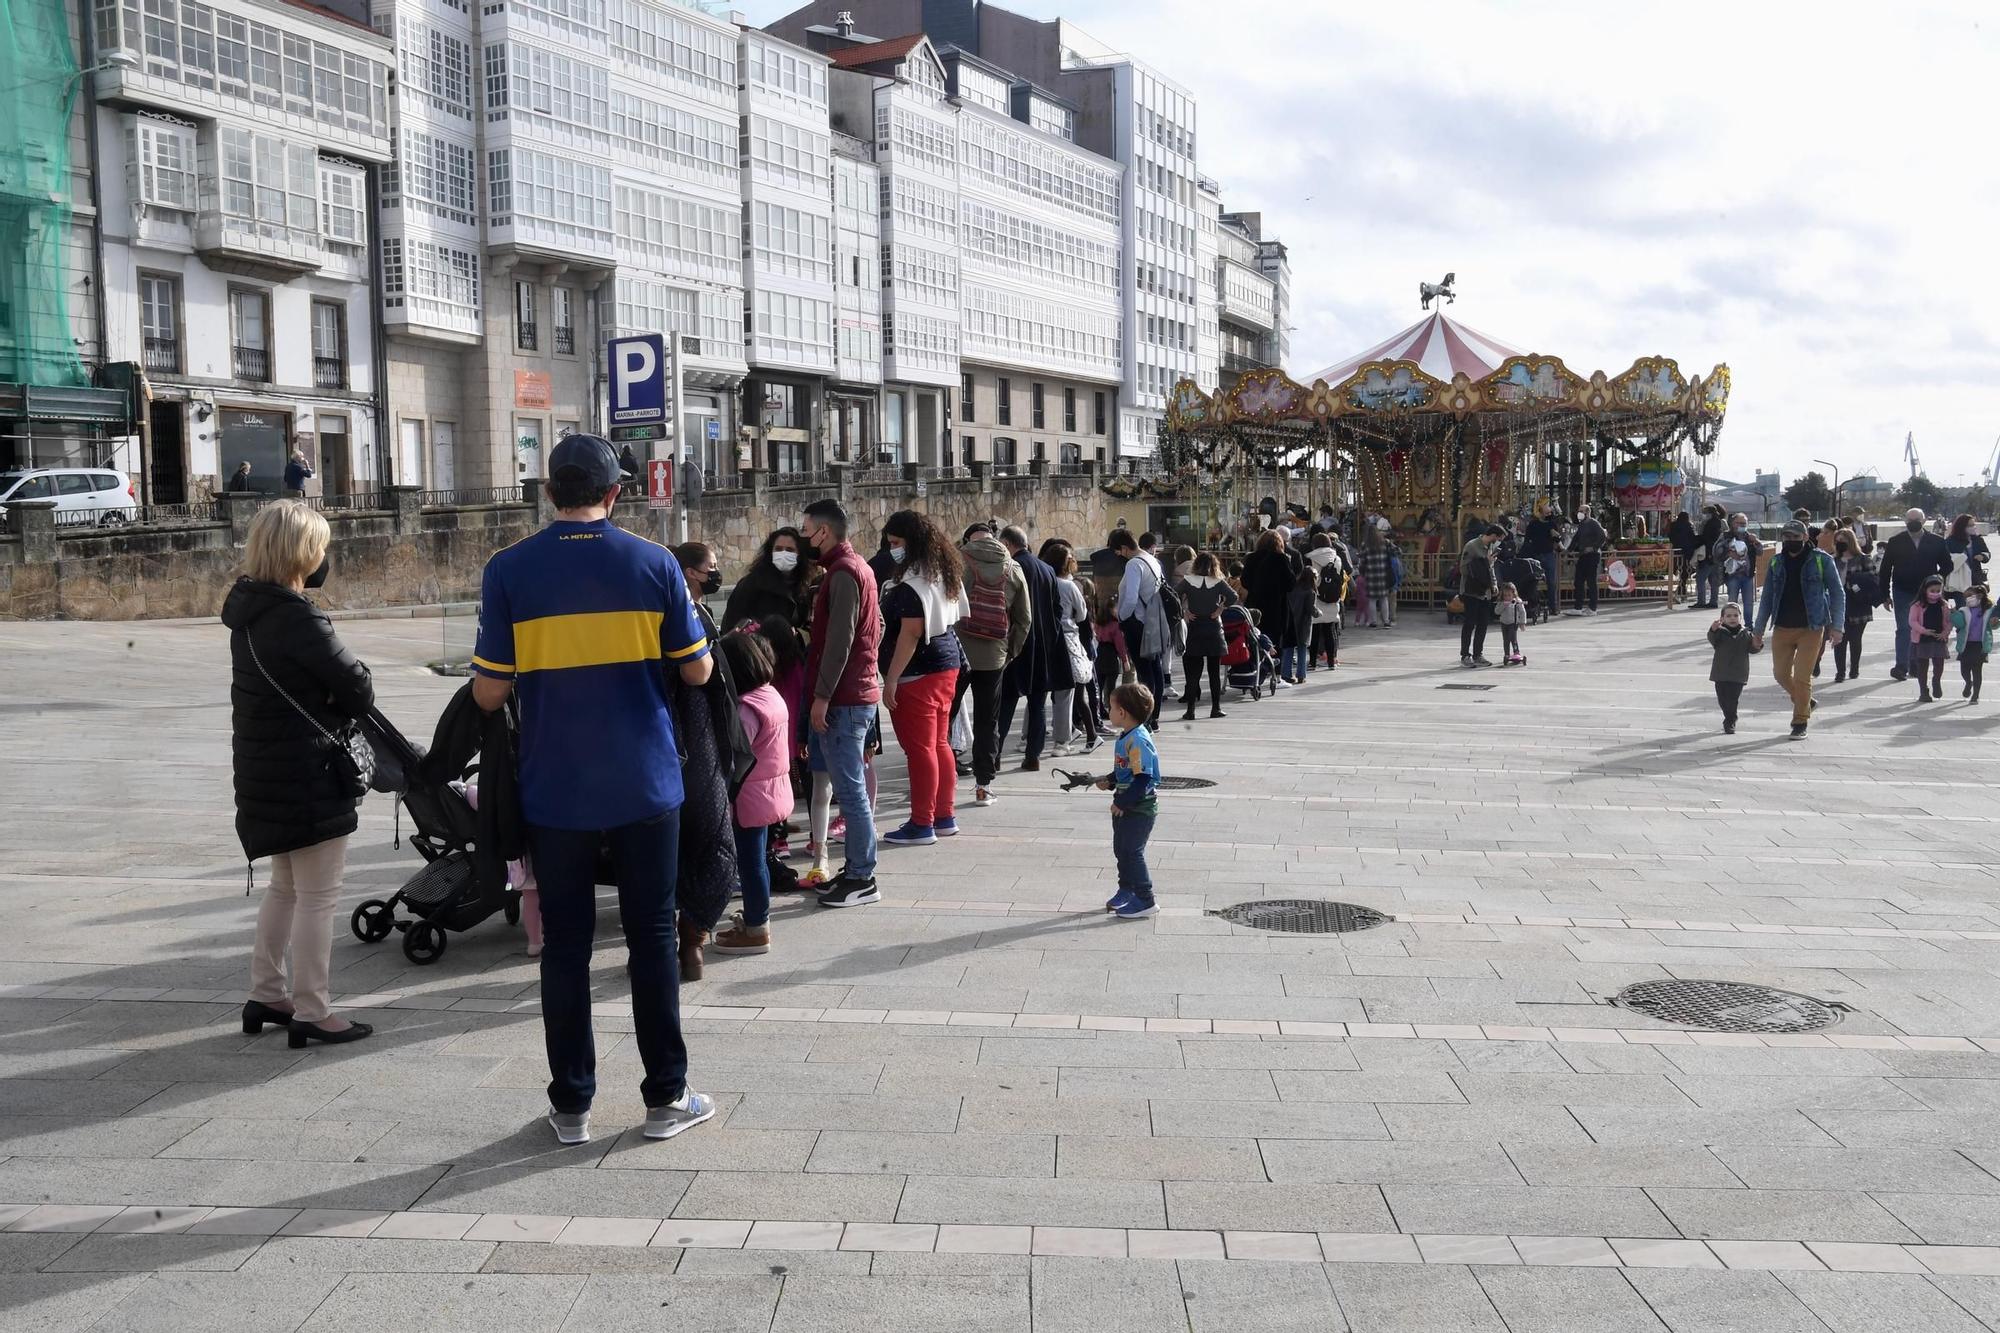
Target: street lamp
[(1836, 487)]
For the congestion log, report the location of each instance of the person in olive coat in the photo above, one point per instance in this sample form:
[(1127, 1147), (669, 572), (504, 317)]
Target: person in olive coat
[(294, 689)]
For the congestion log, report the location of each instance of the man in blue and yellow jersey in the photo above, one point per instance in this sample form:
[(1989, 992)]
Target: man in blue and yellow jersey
[(584, 619)]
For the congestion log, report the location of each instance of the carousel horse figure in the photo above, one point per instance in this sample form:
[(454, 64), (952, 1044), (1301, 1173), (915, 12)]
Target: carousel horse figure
[(1431, 291)]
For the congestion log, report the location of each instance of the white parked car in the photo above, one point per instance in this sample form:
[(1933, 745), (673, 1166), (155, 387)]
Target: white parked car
[(83, 495)]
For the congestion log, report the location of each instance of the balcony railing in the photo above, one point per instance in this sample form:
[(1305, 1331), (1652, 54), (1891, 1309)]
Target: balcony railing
[(162, 356), (565, 340), (524, 337), (329, 372), (253, 363)]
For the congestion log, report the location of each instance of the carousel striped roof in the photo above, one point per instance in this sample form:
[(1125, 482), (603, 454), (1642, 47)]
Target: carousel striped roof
[(1438, 343)]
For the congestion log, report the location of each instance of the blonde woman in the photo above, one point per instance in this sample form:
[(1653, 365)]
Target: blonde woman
[(294, 688)]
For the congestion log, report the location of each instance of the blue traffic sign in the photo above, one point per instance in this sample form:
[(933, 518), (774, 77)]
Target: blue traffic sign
[(714, 431), (638, 384)]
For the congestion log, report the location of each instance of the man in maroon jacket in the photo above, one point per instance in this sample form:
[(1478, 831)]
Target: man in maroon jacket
[(841, 672)]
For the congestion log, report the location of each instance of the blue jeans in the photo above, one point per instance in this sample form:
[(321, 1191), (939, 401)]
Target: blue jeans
[(1295, 660), (1743, 589), (1128, 845), (646, 856), (842, 745), (753, 875), (1902, 601), (1707, 584)]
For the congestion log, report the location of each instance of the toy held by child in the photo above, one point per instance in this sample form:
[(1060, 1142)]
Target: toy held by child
[(1733, 643), (1512, 613)]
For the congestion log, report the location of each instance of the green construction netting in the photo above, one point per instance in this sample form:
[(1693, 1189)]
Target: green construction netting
[(38, 88)]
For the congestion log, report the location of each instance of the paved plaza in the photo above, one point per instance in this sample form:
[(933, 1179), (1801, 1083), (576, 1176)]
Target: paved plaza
[(985, 1106)]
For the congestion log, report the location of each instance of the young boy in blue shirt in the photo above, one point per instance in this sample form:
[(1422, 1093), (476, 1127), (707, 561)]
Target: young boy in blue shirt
[(1135, 803)]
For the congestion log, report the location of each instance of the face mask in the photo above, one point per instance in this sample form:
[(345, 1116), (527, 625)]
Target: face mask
[(1914, 524), (317, 579), (712, 584), (1793, 546), (1975, 601), (899, 553), (1933, 595), (785, 561)]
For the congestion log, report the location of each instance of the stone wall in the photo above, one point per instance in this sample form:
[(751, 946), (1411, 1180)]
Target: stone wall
[(413, 557)]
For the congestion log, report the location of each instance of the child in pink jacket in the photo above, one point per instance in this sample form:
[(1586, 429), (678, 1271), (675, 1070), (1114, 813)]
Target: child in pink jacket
[(766, 794)]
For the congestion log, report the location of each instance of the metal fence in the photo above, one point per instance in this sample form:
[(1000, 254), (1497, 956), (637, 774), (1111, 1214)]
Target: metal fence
[(467, 497), (359, 500), (100, 518)]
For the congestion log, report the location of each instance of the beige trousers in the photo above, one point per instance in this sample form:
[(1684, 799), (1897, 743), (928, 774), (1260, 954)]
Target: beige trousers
[(298, 910)]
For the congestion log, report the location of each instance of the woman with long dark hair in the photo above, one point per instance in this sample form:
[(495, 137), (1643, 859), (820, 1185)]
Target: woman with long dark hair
[(921, 661), (1267, 582), (775, 583), (1962, 540), (1060, 556)]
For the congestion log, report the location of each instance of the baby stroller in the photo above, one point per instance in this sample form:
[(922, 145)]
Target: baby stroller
[(1267, 664), (446, 894), (1240, 656)]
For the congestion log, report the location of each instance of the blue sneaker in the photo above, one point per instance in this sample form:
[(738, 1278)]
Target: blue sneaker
[(945, 828), (1117, 900), (1134, 908), (911, 835)]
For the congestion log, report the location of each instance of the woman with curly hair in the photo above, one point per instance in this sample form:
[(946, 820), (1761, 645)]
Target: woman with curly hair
[(921, 659)]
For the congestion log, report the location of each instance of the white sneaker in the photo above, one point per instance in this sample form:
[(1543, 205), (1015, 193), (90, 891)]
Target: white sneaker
[(685, 1112), (982, 797), (570, 1129)]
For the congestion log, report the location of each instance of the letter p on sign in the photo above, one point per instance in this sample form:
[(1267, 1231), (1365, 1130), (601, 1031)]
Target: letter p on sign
[(638, 379)]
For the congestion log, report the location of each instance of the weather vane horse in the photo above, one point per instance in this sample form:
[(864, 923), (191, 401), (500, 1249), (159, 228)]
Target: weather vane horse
[(1431, 291)]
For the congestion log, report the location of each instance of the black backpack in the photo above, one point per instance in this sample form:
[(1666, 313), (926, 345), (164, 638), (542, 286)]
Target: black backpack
[(1332, 582), (1478, 576)]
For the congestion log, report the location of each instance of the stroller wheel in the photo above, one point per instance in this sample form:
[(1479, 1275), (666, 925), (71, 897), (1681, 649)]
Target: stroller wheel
[(372, 921), (423, 943)]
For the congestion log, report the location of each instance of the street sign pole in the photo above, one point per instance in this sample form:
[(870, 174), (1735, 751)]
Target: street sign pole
[(679, 429)]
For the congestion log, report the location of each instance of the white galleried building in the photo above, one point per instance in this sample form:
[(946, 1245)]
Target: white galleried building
[(1118, 113), (237, 141), (566, 170)]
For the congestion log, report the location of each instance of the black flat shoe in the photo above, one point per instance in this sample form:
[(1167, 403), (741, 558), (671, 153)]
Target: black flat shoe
[(256, 1014), (1216, 713), (301, 1033)]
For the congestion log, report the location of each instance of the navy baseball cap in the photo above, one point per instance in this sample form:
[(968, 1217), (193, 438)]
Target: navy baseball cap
[(592, 455)]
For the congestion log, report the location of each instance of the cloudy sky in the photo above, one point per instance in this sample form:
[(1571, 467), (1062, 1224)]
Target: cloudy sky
[(1808, 192)]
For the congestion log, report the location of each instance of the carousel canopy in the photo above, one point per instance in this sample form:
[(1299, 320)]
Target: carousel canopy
[(1437, 343)]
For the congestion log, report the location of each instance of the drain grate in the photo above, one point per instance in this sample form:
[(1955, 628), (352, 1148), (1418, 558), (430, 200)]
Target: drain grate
[(1171, 783), (1466, 686), (1729, 1006), (1303, 916)]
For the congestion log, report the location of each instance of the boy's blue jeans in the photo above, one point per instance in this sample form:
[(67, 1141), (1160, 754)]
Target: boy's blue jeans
[(753, 875), (1128, 845)]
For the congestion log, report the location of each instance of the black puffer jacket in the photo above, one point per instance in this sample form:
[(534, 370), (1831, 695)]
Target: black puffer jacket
[(286, 798), (765, 591)]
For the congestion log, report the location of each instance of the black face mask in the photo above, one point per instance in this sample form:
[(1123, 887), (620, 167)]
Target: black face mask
[(1914, 525), (317, 579), (1794, 546), (712, 584)]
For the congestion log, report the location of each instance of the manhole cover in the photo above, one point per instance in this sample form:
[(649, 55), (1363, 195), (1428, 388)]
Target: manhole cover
[(1185, 784), (1729, 1006), (1467, 686), (1303, 916)]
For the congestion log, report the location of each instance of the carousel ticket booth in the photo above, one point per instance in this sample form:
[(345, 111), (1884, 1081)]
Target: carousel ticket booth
[(1442, 427)]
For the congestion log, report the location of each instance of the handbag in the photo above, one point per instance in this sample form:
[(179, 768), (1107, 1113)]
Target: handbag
[(352, 760), (1082, 669)]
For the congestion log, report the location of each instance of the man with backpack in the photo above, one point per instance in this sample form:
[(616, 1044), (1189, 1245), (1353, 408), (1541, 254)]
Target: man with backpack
[(1477, 588), (993, 635), (1142, 615)]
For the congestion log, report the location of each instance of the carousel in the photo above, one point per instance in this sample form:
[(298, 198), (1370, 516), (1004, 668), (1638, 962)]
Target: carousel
[(1443, 425)]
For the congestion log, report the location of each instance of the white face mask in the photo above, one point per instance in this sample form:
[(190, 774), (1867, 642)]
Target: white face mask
[(899, 553), (785, 561)]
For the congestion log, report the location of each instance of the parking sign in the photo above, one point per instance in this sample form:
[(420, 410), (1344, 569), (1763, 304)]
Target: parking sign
[(638, 384)]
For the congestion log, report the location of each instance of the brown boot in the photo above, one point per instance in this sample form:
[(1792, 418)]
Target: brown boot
[(742, 939), (692, 938)]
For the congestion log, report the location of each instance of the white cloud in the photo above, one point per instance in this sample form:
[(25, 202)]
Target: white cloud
[(1803, 191)]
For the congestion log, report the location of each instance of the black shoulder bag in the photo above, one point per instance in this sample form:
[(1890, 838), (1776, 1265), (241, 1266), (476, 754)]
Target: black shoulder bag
[(352, 759)]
